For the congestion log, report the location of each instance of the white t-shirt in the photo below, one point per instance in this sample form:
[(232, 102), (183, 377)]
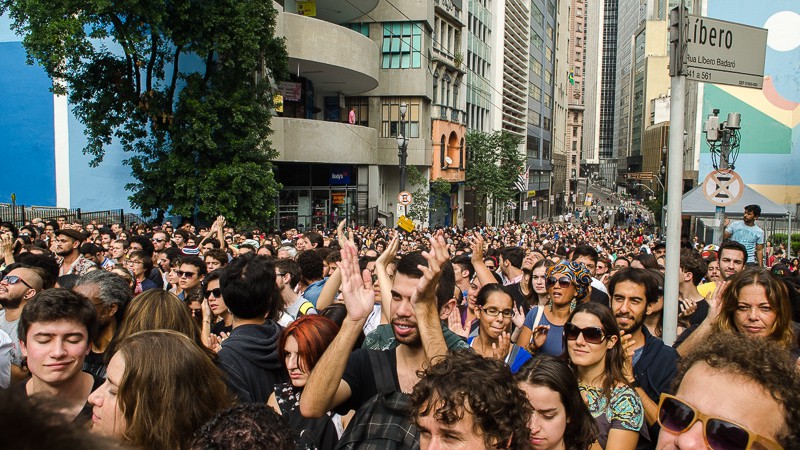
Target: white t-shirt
[(5, 359)]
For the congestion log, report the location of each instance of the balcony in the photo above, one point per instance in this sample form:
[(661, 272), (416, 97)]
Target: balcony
[(339, 11), (334, 58), (443, 112), (302, 140)]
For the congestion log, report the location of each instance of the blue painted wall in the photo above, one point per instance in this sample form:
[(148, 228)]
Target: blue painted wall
[(26, 130)]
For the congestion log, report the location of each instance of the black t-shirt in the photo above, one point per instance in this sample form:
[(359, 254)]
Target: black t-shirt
[(83, 417), (699, 315), (219, 327), (515, 291), (598, 296), (95, 365), (358, 375)]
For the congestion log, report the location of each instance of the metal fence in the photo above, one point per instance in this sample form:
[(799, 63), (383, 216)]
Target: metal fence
[(19, 214)]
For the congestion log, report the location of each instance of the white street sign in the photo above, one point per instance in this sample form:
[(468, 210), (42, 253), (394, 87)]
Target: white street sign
[(722, 52), (404, 198), (723, 187)]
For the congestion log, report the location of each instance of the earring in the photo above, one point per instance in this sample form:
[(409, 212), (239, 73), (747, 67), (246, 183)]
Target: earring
[(572, 305), (550, 303)]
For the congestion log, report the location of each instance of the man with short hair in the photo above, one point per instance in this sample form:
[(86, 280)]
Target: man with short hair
[(16, 289), (287, 275), (107, 237), (740, 390), (118, 250), (692, 269), (249, 357), (652, 367), (191, 274), (179, 237), (55, 331), (344, 381), (109, 294), (749, 234), (160, 240), (311, 265), (732, 259), (659, 250), (464, 271), (622, 261), (454, 405), (68, 244)]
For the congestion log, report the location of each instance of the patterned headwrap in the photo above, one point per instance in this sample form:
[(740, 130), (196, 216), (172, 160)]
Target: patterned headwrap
[(577, 272)]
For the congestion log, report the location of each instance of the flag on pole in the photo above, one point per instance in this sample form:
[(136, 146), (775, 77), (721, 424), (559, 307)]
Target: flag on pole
[(571, 76)]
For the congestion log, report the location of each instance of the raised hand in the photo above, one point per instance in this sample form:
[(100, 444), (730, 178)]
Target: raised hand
[(519, 317), (436, 257), (627, 346), (455, 325), (389, 254), (715, 301), (476, 244), (502, 347), (539, 335), (687, 307), (359, 298)]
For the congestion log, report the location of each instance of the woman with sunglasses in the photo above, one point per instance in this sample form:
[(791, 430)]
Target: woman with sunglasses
[(567, 284), (494, 309), (596, 354), (561, 419), (216, 317)]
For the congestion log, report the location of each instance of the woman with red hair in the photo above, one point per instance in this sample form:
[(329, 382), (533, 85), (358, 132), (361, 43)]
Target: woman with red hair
[(301, 345)]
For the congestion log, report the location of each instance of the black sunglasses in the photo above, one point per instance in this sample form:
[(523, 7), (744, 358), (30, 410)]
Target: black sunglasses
[(592, 335), (563, 282), (678, 416), (215, 292), (13, 279)]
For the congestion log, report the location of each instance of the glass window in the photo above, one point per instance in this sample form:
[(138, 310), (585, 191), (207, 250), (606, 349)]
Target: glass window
[(536, 14), (362, 28), (548, 54), (536, 40), (402, 45), (536, 92), (361, 105), (536, 67), (390, 117)]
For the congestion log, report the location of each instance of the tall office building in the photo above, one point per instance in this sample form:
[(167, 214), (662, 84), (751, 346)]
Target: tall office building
[(575, 86), (608, 84), (591, 87)]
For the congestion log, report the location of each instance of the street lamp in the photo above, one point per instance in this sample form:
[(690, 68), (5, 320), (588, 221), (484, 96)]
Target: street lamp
[(402, 146)]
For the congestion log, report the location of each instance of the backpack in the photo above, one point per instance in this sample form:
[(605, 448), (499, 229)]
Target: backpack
[(384, 421)]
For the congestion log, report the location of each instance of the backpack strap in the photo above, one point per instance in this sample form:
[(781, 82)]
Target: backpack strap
[(381, 371)]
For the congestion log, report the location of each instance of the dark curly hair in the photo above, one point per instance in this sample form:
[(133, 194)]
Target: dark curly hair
[(248, 426), (465, 381), (761, 360)]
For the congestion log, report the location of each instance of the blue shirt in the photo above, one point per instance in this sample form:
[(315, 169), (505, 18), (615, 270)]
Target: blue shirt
[(749, 236), (313, 290), (554, 344)]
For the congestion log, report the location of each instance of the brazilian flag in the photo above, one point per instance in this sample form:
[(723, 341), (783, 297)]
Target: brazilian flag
[(571, 76)]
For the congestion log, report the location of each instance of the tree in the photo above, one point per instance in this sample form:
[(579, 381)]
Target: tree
[(183, 86), (428, 199), (493, 163)]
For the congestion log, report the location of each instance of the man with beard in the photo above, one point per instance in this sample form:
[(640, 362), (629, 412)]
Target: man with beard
[(423, 287), (16, 288), (68, 248), (652, 365)]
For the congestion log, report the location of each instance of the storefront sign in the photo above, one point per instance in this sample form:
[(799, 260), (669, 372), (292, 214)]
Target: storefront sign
[(290, 91), (340, 176), (338, 197)]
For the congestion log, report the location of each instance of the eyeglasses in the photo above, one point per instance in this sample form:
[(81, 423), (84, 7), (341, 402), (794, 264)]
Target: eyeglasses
[(13, 279), (182, 274), (494, 312), (215, 292), (678, 416), (134, 262), (592, 335), (563, 282)]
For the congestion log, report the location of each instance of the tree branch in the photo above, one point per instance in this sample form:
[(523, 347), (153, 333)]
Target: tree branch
[(153, 54), (122, 38), (209, 65), (171, 92)]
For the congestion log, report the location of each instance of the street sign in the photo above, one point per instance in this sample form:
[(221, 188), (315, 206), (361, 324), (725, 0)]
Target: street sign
[(405, 224), (639, 175), (722, 52), (723, 187), (401, 210), (531, 194), (404, 198)]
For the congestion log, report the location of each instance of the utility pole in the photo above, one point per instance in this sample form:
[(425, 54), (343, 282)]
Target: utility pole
[(724, 138)]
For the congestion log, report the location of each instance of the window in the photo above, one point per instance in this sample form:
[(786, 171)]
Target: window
[(536, 92), (402, 45), (536, 67), (362, 28), (575, 130), (537, 15), (550, 32), (547, 124), (361, 104), (548, 54), (535, 119), (536, 40), (548, 101), (574, 160), (390, 117)]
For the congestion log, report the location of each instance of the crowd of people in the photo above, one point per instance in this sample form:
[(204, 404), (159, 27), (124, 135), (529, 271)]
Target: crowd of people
[(541, 336)]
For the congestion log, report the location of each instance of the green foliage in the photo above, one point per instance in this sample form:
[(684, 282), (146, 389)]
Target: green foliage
[(493, 163), (418, 185), (781, 239), (185, 91)]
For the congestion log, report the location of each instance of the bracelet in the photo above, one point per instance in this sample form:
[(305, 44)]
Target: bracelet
[(207, 321)]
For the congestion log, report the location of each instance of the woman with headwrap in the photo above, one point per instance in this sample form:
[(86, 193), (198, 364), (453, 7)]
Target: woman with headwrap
[(567, 284)]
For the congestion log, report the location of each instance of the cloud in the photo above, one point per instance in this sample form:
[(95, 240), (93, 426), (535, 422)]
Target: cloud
[(784, 31)]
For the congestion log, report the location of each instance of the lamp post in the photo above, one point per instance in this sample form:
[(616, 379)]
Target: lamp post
[(402, 146)]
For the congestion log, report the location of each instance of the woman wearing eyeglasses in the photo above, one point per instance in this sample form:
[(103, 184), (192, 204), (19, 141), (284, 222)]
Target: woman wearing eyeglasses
[(494, 309), (596, 354), (567, 284)]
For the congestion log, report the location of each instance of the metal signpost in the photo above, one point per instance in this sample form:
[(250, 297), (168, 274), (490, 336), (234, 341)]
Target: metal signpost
[(710, 51)]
